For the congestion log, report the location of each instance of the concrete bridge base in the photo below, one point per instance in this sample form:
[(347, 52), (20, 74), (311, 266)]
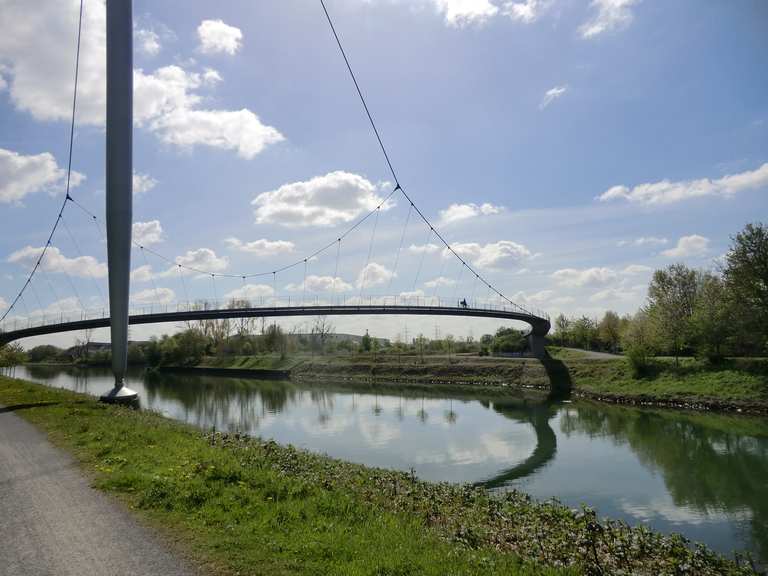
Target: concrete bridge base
[(536, 344)]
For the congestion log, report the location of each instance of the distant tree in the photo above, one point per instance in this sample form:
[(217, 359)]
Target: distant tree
[(321, 329), (508, 340), (275, 340), (609, 330), (12, 354), (671, 300), (365, 344), (562, 330), (44, 353), (583, 332)]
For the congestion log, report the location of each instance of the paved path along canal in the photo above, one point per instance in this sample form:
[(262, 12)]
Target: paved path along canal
[(53, 522)]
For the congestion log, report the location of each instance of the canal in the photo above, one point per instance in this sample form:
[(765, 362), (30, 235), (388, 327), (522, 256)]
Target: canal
[(699, 474)]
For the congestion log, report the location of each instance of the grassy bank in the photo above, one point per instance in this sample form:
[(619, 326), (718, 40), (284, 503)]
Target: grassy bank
[(240, 505)]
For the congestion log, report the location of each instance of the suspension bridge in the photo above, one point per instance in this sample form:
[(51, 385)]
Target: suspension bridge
[(251, 294)]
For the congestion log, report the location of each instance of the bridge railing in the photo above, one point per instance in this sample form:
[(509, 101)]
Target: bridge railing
[(289, 301)]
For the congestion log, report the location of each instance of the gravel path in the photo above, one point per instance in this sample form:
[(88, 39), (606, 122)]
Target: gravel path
[(53, 522)]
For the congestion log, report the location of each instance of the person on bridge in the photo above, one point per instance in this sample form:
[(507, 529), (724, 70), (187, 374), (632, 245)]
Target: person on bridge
[(463, 303)]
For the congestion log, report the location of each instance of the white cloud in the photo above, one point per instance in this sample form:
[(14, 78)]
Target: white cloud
[(584, 277), (492, 254), (526, 11), (461, 13), (202, 260), (262, 247), (142, 183), (216, 37), (152, 296), (423, 248), (634, 269), (336, 198), (374, 274), (610, 15), (142, 273), (147, 233), (3, 303), (666, 192), (251, 292), (166, 104), (457, 212), (22, 175), (55, 261), (617, 293), (321, 284), (439, 281), (643, 241), (551, 95), (38, 49), (147, 42), (688, 247), (412, 294)]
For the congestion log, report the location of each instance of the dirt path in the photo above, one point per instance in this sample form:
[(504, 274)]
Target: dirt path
[(53, 522)]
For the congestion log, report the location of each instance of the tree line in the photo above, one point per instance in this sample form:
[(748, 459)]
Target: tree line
[(710, 314)]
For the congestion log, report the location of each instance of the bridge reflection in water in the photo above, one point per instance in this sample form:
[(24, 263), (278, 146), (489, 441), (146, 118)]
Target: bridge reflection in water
[(699, 474)]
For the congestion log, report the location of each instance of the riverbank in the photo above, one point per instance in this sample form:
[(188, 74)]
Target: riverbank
[(243, 505)]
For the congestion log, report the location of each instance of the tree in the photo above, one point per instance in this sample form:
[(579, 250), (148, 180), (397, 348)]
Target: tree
[(365, 343), (12, 354), (562, 330), (275, 340), (583, 332), (321, 329), (671, 299), (508, 340), (609, 330), (711, 321), (638, 341)]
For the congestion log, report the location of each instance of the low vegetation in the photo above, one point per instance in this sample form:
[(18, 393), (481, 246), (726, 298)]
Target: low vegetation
[(242, 505)]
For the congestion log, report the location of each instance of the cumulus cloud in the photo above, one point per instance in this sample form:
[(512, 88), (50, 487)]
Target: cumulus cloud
[(688, 247), (584, 277), (202, 260), (216, 37), (3, 303), (492, 254), (634, 269), (527, 11), (39, 77), (374, 274), (551, 95), (336, 198), (457, 212), (147, 233), (154, 296), (439, 281), (608, 15), (321, 284), (55, 261), (250, 292), (423, 248), (142, 274), (666, 192), (22, 175), (261, 247), (147, 42), (617, 293), (167, 104), (39, 53), (643, 241), (142, 183), (461, 13)]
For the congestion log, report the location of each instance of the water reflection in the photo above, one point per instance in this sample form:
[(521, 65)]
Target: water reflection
[(703, 475)]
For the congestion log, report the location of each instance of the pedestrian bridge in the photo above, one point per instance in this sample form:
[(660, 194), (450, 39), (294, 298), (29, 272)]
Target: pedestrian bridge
[(278, 308)]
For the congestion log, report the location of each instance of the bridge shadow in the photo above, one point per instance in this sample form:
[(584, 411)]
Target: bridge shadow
[(15, 407)]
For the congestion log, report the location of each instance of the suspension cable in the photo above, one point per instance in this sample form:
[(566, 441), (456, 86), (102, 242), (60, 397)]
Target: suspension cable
[(370, 250), (400, 247), (69, 167), (391, 168)]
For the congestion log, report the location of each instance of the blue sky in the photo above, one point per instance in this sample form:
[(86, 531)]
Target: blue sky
[(566, 147)]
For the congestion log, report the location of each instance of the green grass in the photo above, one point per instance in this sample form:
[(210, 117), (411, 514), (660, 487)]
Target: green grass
[(736, 380), (244, 506), (260, 362)]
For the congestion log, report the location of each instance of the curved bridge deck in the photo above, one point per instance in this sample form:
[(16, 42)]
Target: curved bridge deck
[(539, 324)]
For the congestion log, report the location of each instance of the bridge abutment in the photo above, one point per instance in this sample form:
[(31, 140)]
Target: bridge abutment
[(537, 345)]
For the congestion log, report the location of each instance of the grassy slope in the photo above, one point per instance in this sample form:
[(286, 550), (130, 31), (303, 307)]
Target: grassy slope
[(241, 505)]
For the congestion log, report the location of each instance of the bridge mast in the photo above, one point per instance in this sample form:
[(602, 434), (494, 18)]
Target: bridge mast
[(119, 185)]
